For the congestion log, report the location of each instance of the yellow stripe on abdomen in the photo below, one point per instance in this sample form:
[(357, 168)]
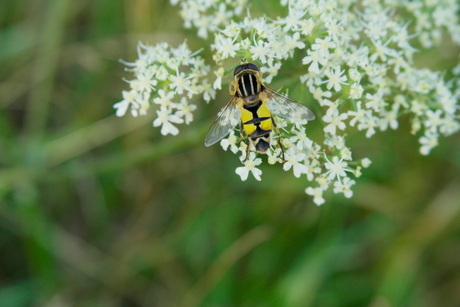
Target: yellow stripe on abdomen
[(245, 117), (256, 118), (263, 111)]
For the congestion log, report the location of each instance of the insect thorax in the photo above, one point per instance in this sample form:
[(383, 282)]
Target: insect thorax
[(248, 85)]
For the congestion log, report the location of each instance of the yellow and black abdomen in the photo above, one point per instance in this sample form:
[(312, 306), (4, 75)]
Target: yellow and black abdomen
[(257, 124)]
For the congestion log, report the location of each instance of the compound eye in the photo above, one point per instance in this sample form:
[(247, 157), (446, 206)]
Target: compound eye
[(253, 67), (238, 69)]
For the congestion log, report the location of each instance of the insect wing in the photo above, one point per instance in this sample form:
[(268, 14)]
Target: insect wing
[(228, 117), (287, 108)]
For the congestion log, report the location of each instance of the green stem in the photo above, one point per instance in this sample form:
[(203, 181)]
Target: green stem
[(46, 63), (38, 239)]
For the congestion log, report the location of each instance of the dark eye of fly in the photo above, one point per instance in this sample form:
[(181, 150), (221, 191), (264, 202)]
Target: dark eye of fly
[(252, 66), (238, 69)]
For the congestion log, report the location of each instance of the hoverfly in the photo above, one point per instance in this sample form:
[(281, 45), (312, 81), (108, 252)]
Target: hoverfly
[(252, 106)]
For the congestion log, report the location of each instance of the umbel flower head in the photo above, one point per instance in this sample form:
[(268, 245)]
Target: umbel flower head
[(167, 78), (355, 59)]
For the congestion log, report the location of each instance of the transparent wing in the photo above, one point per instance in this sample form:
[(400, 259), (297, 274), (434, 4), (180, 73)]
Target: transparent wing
[(287, 108), (228, 117)]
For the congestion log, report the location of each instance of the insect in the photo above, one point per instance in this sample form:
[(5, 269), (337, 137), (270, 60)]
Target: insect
[(252, 106)]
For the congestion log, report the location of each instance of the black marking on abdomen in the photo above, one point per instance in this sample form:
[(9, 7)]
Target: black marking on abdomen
[(253, 108), (259, 133), (256, 120)]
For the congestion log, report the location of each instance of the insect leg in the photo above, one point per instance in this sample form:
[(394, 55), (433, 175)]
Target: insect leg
[(248, 147), (279, 138), (241, 133), (232, 87)]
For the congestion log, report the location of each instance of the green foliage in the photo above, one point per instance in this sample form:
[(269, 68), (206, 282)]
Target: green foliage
[(97, 210)]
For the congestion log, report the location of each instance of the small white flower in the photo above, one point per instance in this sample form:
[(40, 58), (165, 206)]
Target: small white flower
[(271, 69), (358, 172), (336, 168), (358, 115), (356, 91), (128, 99), (226, 46), (274, 157), (388, 119), (428, 141), (245, 44), (183, 54), (293, 42), (323, 46), (335, 79), (344, 187), (314, 58), (230, 141), (300, 139), (335, 141), (354, 74), (219, 74), (292, 20), (319, 95), (209, 93), (260, 51), (312, 168), (366, 162), (381, 51), (250, 166), (335, 121), (306, 26), (296, 162), (317, 194), (375, 101), (231, 30), (144, 82), (179, 82), (164, 99), (165, 120), (433, 119), (185, 110)]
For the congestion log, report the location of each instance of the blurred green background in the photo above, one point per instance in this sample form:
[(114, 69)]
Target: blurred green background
[(97, 210)]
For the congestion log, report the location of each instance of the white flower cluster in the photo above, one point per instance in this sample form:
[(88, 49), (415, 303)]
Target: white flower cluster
[(356, 60), (167, 78), (358, 65), (432, 17), (208, 15)]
